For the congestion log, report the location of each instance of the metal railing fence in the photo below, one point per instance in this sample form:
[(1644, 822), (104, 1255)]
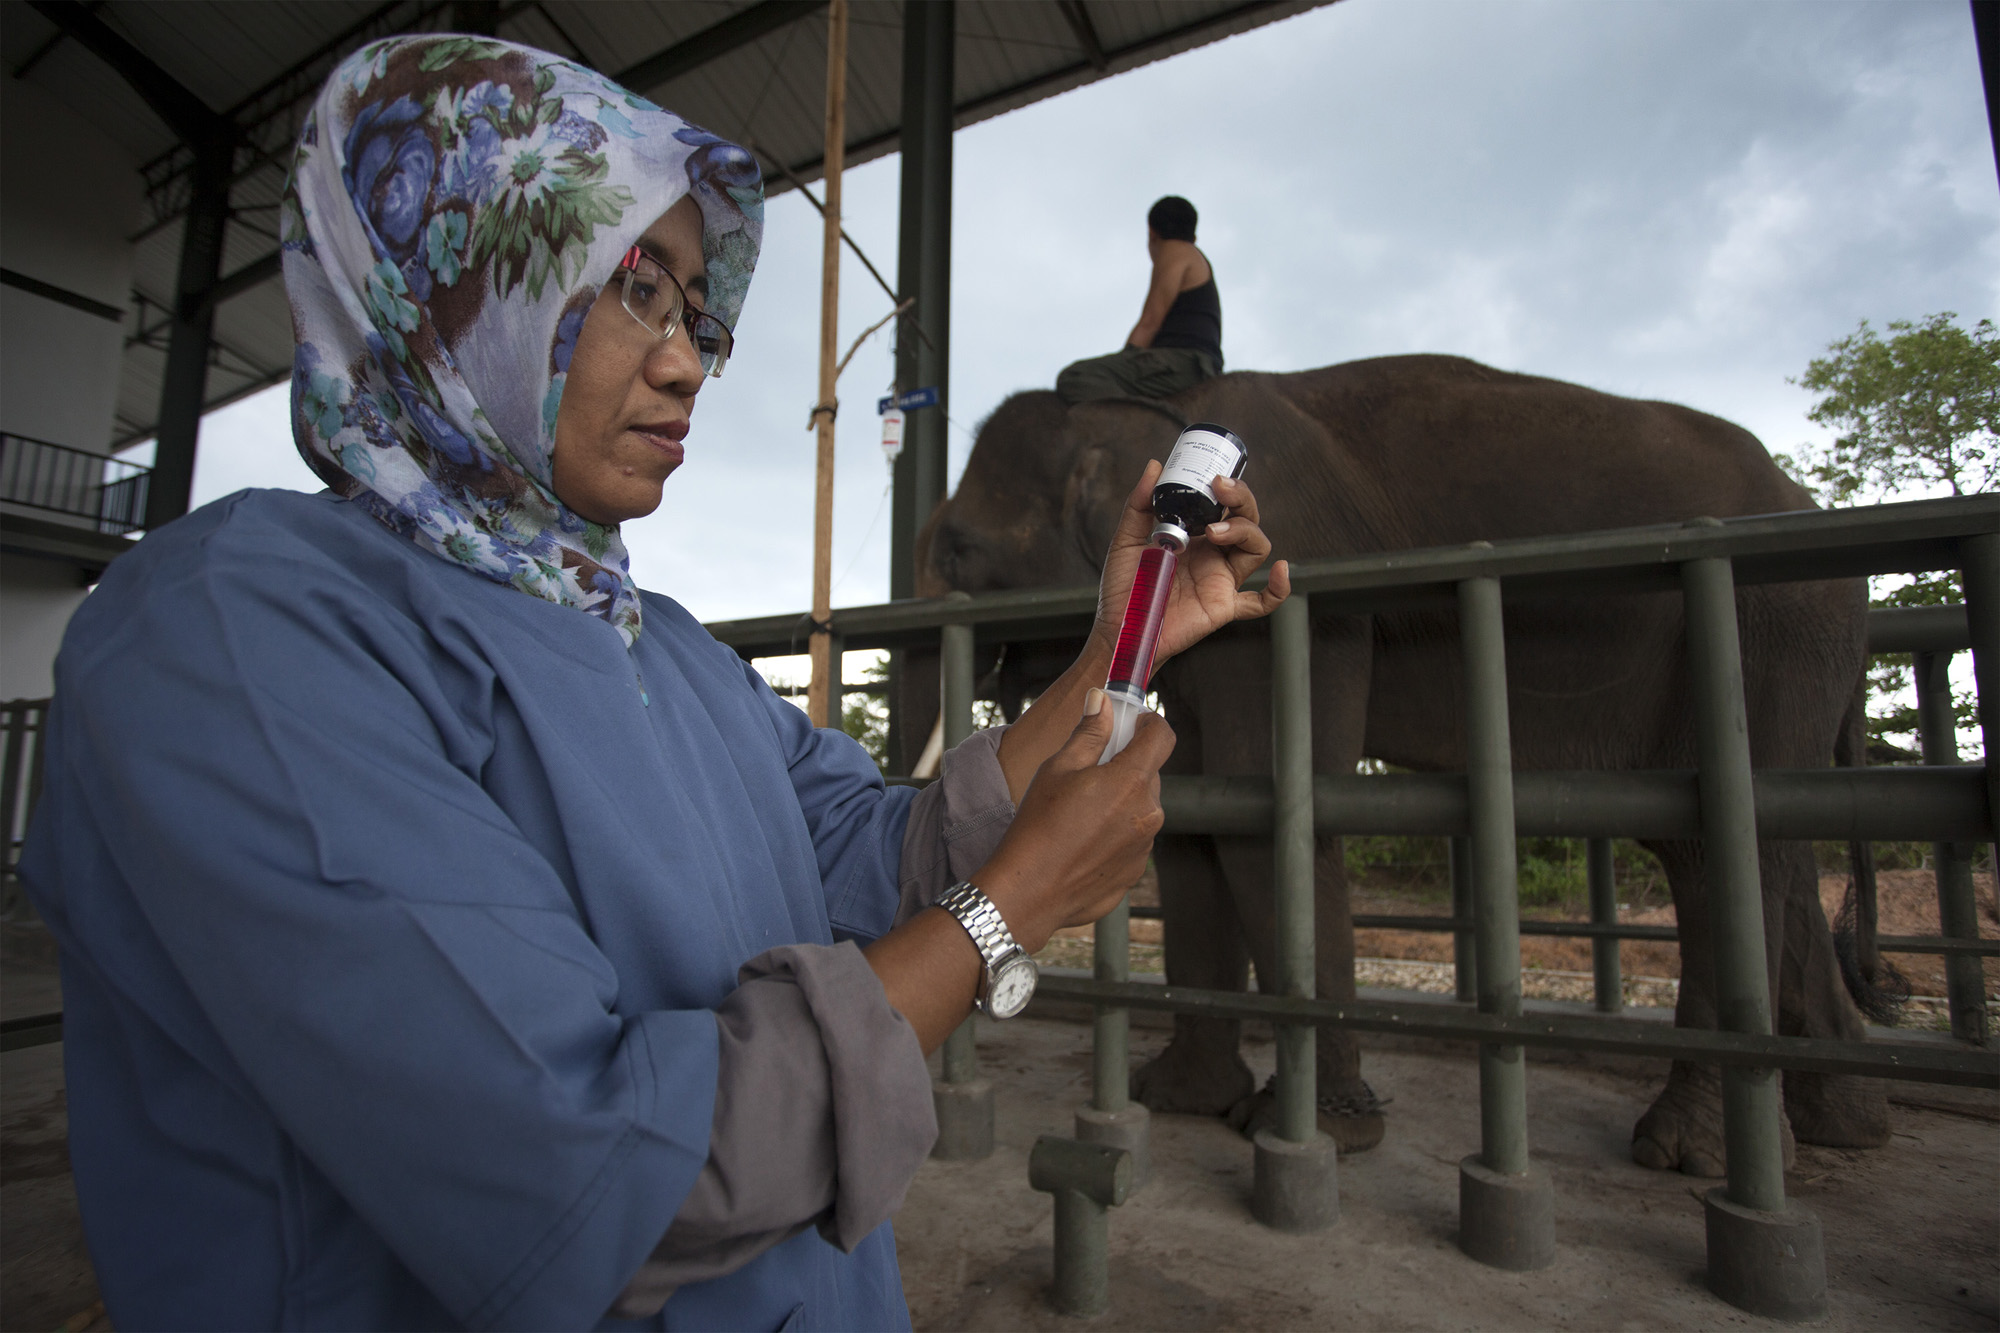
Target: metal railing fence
[(1722, 802), (62, 480)]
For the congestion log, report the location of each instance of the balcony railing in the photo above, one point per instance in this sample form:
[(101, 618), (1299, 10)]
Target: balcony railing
[(108, 491)]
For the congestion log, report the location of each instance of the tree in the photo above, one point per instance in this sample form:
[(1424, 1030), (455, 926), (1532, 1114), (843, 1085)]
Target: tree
[(1914, 414)]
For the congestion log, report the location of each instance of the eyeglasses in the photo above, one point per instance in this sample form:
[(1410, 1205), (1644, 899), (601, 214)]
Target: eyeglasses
[(654, 297)]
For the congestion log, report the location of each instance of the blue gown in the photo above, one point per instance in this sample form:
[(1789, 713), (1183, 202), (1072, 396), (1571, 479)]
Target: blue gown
[(392, 916)]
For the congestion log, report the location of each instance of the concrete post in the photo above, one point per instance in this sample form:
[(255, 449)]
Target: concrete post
[(1086, 1179), (1296, 1184), (1605, 970), (964, 1101), (1958, 912), (1506, 1205), (1764, 1253), (184, 383)]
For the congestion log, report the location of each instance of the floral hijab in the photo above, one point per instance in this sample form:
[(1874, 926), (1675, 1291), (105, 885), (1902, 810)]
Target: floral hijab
[(455, 203)]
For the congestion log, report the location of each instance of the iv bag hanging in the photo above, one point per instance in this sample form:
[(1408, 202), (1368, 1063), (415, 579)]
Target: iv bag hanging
[(892, 434)]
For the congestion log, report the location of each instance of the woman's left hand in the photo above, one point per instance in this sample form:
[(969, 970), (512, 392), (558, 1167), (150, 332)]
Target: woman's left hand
[(1206, 592)]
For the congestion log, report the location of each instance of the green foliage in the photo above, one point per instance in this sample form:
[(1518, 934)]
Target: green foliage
[(1916, 412), (865, 717), (1551, 872)]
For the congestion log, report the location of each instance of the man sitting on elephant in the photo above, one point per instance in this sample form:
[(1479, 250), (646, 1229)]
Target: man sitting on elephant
[(1177, 342)]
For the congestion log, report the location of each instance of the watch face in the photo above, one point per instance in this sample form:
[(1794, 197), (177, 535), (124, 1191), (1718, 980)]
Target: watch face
[(1013, 985)]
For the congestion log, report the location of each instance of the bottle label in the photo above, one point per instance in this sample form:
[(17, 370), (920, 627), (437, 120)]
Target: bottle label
[(1199, 457)]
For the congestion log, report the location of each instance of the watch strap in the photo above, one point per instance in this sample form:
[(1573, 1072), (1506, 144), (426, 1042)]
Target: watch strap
[(982, 921)]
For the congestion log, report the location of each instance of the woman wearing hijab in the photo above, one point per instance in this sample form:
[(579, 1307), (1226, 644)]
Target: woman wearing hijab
[(453, 934)]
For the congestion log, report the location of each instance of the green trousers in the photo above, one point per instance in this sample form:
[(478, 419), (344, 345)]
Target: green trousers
[(1136, 372)]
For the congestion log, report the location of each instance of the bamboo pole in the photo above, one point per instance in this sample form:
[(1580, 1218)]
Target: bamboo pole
[(820, 692)]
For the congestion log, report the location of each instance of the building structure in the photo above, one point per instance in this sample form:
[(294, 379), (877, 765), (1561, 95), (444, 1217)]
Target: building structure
[(147, 145)]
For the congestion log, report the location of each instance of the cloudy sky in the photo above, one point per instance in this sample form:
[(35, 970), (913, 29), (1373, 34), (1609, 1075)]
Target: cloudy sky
[(1681, 200)]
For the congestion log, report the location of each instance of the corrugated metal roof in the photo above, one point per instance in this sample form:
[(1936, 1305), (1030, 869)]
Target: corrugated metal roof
[(260, 64)]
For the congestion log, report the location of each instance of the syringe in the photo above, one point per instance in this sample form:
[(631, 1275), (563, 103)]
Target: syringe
[(1183, 500)]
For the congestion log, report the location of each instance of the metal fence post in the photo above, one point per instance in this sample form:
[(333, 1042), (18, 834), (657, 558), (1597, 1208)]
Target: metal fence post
[(1085, 1180), (1958, 913), (1765, 1254), (1112, 1117), (1464, 953), (1979, 563), (1506, 1204), (1296, 1186), (1606, 973), (836, 703), (964, 1101)]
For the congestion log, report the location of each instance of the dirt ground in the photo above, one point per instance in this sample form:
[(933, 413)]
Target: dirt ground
[(1912, 1231)]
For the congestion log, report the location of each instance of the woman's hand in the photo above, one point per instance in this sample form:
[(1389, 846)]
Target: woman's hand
[(1207, 580), (1078, 842), (1083, 830)]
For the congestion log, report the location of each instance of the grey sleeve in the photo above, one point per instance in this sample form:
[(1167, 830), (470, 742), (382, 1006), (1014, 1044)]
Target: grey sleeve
[(956, 823), (822, 1116)]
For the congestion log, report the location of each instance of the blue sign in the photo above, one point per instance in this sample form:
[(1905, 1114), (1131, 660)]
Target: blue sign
[(906, 401)]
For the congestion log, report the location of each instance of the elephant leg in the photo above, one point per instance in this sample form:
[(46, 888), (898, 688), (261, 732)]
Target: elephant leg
[(1682, 1130), (1349, 1111), (1833, 1110), (1201, 1071)]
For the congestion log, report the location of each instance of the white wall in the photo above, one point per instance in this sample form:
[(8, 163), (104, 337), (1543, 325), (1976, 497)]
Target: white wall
[(69, 199), (37, 597)]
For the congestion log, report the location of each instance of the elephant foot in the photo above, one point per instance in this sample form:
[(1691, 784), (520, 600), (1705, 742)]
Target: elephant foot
[(1349, 1113), (1180, 1081), (1683, 1129), (1837, 1110)]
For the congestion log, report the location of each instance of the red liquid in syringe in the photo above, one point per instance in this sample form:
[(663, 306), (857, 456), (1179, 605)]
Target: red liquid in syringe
[(1139, 637)]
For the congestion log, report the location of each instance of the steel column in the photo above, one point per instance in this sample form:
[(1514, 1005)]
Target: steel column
[(1503, 1101), (1958, 913), (1735, 889), (1464, 951), (184, 383), (1292, 858), (836, 702), (923, 272), (1764, 1254), (1605, 970), (1295, 1184), (964, 1101), (1979, 563), (1110, 1075), (1506, 1207), (1113, 1118)]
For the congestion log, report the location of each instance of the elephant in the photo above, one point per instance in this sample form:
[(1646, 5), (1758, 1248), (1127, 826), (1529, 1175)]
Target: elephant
[(1424, 451)]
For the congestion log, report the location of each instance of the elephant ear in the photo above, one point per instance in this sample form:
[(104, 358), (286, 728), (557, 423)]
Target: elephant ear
[(1092, 498)]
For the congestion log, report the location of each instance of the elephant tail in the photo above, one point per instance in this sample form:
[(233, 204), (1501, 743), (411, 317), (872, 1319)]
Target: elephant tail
[(1876, 985)]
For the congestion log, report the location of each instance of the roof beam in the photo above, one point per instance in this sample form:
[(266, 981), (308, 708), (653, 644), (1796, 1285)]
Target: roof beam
[(1073, 75), (739, 29), (1079, 22), (185, 114), (253, 274)]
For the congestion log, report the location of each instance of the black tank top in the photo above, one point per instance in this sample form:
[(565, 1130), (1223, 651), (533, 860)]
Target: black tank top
[(1194, 320)]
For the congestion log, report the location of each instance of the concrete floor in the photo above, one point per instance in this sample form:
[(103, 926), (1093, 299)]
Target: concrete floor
[(1912, 1231)]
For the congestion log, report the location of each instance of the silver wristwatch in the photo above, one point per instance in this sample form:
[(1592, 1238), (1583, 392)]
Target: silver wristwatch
[(1010, 973)]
